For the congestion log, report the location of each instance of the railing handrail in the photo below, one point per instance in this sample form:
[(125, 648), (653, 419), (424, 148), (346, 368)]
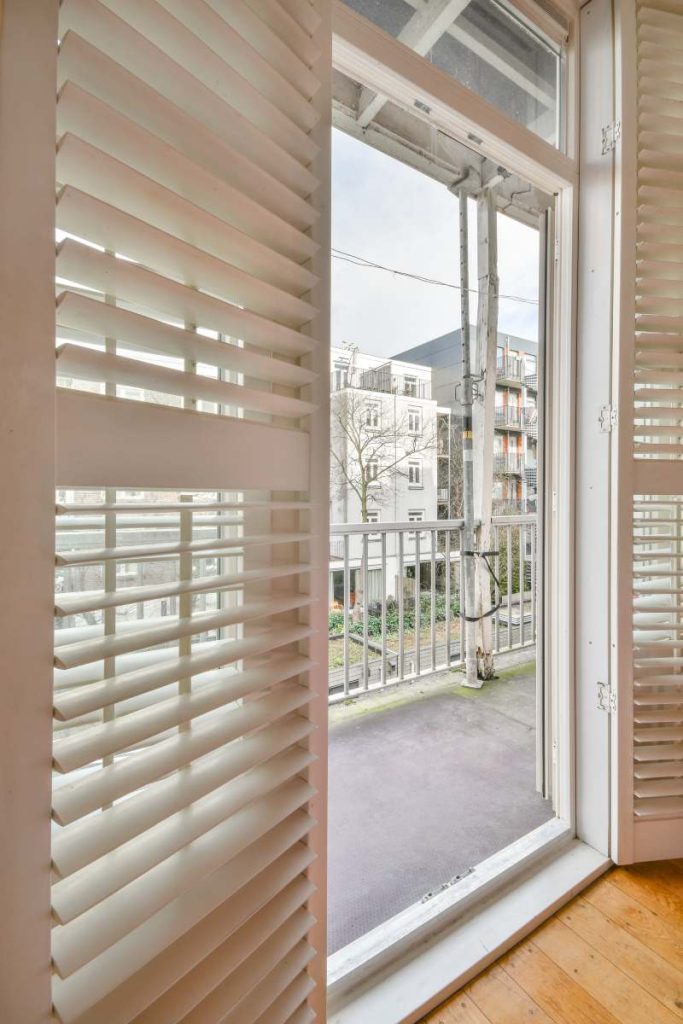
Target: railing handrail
[(346, 529)]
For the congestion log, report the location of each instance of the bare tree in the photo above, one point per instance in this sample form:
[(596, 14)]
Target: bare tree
[(454, 449), (370, 453)]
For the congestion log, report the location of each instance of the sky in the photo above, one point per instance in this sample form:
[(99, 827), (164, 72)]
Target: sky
[(389, 213)]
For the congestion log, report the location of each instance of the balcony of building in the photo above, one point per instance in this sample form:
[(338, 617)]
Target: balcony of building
[(508, 463), (510, 371), (381, 380), (514, 506), (403, 726), (530, 421), (509, 417)]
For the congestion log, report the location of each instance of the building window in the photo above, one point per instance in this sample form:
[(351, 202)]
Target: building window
[(372, 470), (341, 376), (414, 473), (415, 421), (372, 415), (416, 515), (410, 386), (373, 517)]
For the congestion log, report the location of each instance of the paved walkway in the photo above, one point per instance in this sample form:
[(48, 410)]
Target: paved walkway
[(426, 781)]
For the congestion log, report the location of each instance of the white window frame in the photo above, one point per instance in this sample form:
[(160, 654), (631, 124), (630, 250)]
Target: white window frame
[(416, 515), (420, 956), (414, 420), (373, 415), (415, 480), (410, 386), (374, 517), (372, 475)]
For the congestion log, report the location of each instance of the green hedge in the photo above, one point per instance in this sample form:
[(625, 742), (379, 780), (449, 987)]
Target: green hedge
[(336, 618)]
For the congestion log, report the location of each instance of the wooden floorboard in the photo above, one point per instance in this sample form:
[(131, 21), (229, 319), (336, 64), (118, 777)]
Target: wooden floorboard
[(614, 955)]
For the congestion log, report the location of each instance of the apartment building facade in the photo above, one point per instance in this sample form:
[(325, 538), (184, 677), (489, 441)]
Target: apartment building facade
[(516, 418), (384, 464)]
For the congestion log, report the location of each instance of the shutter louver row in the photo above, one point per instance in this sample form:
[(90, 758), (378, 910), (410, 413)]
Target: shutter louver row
[(657, 523), (186, 365), (658, 657)]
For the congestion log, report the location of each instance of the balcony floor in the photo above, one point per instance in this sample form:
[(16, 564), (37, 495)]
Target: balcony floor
[(426, 781)]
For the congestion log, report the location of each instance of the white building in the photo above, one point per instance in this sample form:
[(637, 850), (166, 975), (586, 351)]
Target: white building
[(383, 463)]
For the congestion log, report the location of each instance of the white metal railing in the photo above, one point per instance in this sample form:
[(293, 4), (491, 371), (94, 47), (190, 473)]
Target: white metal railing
[(396, 611)]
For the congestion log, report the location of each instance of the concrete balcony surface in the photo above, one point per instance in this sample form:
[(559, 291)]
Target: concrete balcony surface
[(426, 781)]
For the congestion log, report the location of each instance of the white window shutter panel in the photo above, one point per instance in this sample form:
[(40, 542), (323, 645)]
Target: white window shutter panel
[(648, 554), (192, 313)]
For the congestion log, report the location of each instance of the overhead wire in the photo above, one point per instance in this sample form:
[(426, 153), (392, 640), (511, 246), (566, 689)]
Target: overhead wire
[(360, 261)]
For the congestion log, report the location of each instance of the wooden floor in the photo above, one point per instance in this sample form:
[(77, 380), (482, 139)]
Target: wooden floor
[(614, 955)]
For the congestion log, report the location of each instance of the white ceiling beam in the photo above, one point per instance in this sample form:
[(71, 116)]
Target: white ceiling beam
[(423, 30)]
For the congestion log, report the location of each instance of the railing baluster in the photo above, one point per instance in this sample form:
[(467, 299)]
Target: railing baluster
[(401, 627), (447, 570), (508, 546), (461, 591), (347, 602), (532, 580), (498, 595), (366, 602), (432, 624), (417, 616), (383, 665), (522, 581)]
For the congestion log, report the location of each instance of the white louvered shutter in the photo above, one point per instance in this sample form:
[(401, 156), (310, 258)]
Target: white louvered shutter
[(650, 478), (192, 207)]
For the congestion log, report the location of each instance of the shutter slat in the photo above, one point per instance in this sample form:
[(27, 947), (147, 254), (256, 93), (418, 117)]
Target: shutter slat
[(126, 507), (257, 68), (86, 991), (81, 749), (112, 34), (303, 12), (77, 845), (76, 944), (283, 917), (90, 601), (94, 320), (199, 50), (264, 975), (293, 33), (204, 938), (137, 553), (288, 1007), (92, 365), (663, 807), (81, 113), (658, 770), (100, 879), (79, 263), (256, 31), (93, 171), (102, 786), (85, 65), (104, 692)]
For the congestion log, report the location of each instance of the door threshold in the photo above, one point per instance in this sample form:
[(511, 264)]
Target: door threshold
[(404, 968)]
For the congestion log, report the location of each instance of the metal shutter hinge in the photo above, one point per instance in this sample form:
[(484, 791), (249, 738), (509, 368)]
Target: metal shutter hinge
[(611, 134), (607, 698), (607, 418)]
